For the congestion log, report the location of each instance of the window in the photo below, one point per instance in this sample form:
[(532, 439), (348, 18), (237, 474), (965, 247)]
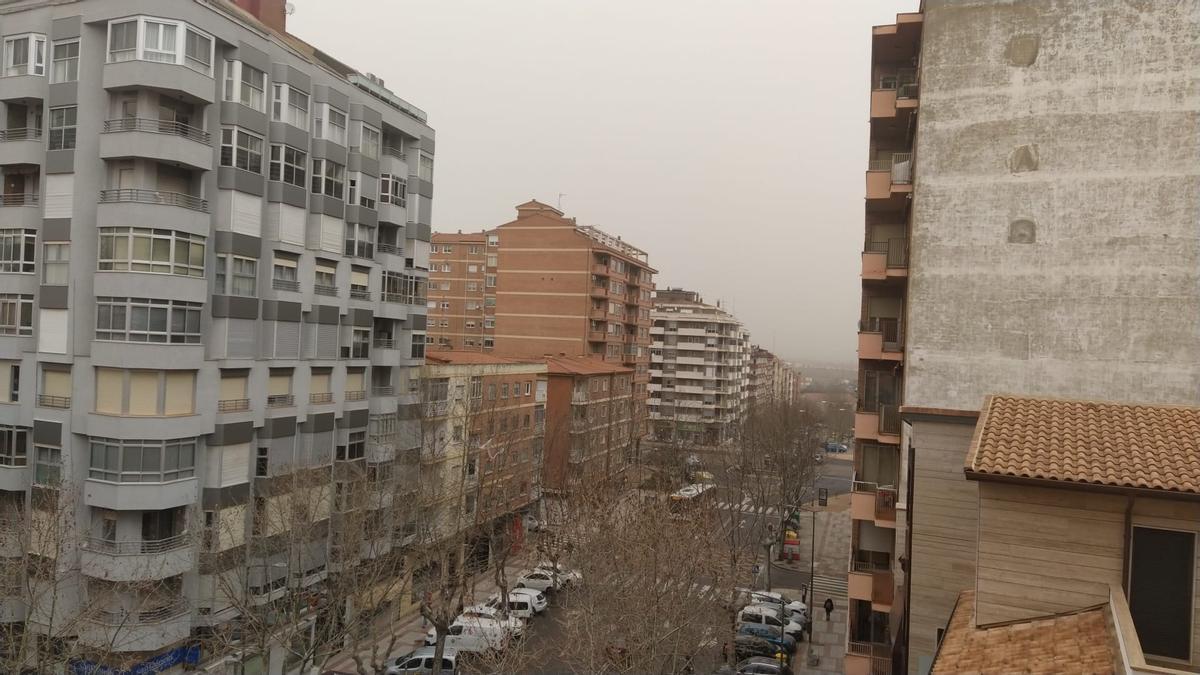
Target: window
[(241, 149), (445, 267), (243, 273), (473, 250), (492, 240), (136, 249), (473, 286), (262, 463), (489, 343), (16, 314), (159, 41), (197, 53), (17, 249), (56, 259), (65, 62), (392, 189), (360, 343), (284, 270), (288, 165), (329, 123), (447, 248), (289, 105), (328, 178), (425, 171), (504, 390), (360, 190), (326, 274), (13, 445), (246, 85), (491, 260), (10, 382), (148, 320), (368, 143), (122, 40), (357, 447), (135, 461), (528, 388), (360, 240), (489, 322), (489, 301), (418, 346), (145, 393), (445, 305), (48, 467), (62, 127), (490, 280), (25, 55)]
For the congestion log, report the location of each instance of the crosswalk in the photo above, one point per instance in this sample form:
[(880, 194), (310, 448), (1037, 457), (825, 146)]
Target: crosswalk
[(830, 586), (748, 506)]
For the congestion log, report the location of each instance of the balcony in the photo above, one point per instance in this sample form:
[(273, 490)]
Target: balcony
[(161, 140), (867, 658), (325, 289), (281, 401), (599, 291), (47, 401), (597, 336), (321, 397), (889, 174), (389, 248), (383, 390), (143, 630), (146, 560), (144, 196), (895, 93), (233, 405), (356, 395), (873, 503), (20, 199), (873, 582), (360, 294), (885, 259), (882, 424), (285, 285), (21, 145), (881, 338)]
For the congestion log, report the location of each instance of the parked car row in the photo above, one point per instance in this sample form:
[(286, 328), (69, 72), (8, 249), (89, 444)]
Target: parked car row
[(489, 627), (769, 626)]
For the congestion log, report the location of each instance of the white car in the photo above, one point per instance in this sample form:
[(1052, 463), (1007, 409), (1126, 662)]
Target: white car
[(473, 634), (791, 608), (566, 577), (420, 662), (542, 580), (768, 615), (515, 624), (536, 598)]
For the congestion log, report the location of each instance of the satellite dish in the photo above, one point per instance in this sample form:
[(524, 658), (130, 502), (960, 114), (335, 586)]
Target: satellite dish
[(289, 8)]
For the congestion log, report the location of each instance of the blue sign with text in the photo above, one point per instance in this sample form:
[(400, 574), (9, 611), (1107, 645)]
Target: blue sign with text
[(189, 654)]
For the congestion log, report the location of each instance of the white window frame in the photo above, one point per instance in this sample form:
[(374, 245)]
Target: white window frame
[(232, 269), (59, 264), (35, 55), (63, 134), (173, 315), (365, 148), (237, 89), (178, 55), (16, 314), (284, 107), (393, 189), (280, 166), (232, 149), (159, 241), (425, 167), (324, 182), (18, 249), (70, 64), (323, 126)]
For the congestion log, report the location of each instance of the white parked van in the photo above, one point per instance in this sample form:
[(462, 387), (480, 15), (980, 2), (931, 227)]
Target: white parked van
[(519, 605), (473, 634), (516, 624)]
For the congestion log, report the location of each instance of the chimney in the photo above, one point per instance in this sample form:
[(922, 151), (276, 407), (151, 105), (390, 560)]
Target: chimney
[(271, 12)]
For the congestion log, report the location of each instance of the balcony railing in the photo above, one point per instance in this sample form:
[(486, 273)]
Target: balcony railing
[(139, 547), (19, 199), (895, 248), (889, 327), (910, 90), (47, 401), (889, 419), (356, 395), (147, 616), (142, 196), (325, 289), (360, 293), (885, 503), (233, 405), (383, 247), (154, 126), (321, 397), (870, 567), (383, 390), (20, 134), (393, 152), (899, 163), (879, 654), (384, 343), (902, 77), (285, 285), (280, 400)]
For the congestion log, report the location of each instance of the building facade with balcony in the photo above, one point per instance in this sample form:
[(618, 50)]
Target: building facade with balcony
[(549, 286), (700, 370), (981, 275), (193, 302), (772, 380)]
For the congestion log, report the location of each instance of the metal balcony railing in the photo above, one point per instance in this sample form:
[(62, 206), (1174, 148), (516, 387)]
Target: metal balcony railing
[(142, 617), (889, 326), (280, 400), (910, 90), (879, 654), (285, 285), (154, 126), (20, 134), (139, 547), (321, 397), (383, 390), (325, 289), (360, 293), (19, 199), (142, 196), (895, 248), (47, 401), (889, 419), (356, 395), (384, 343), (900, 78), (233, 405), (870, 566), (393, 152), (383, 247)]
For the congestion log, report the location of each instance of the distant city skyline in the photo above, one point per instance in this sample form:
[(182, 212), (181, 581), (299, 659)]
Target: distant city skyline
[(712, 136)]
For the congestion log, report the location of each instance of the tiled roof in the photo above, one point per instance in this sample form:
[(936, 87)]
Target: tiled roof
[(451, 357), (470, 237), (1110, 444), (582, 365), (1078, 642)]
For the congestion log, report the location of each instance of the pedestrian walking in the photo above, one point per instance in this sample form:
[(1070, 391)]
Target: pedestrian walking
[(828, 608)]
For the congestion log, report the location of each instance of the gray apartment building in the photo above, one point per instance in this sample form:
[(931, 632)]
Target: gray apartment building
[(214, 244)]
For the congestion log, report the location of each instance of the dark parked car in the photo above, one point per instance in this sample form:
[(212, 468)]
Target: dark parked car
[(747, 646), (785, 642), (762, 665)]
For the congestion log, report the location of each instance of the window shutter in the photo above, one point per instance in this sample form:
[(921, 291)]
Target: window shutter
[(235, 463), (327, 341), (354, 380), (280, 384), (287, 340), (6, 381), (245, 214), (52, 331), (320, 383), (320, 449), (281, 261), (286, 223), (233, 388), (60, 194), (358, 278), (266, 340), (110, 390), (241, 338), (331, 234), (54, 382), (143, 392), (180, 392)]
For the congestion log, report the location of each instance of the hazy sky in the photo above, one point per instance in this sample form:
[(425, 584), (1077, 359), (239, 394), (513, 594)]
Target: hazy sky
[(726, 138)]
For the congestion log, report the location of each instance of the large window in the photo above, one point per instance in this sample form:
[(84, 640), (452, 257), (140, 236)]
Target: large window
[(124, 461), (136, 249), (329, 123), (14, 445), (145, 393), (288, 165), (245, 84), (48, 466), (17, 249), (236, 275), (65, 61), (62, 127), (328, 178), (25, 55), (161, 41), (56, 263), (147, 320), (425, 170), (289, 105), (361, 189), (241, 149), (392, 189), (16, 314), (368, 143)]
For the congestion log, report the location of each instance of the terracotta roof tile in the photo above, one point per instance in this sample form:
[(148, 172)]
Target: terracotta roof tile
[(1113, 444), (583, 365), (1078, 642), (450, 357)]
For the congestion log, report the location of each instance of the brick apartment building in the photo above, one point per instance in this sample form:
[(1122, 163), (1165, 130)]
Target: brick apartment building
[(991, 264), (542, 284)]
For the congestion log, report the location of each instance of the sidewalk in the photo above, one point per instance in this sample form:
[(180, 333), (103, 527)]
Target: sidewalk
[(410, 628), (833, 540)]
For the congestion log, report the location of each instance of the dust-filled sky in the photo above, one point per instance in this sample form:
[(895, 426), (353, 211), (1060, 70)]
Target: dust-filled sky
[(727, 138)]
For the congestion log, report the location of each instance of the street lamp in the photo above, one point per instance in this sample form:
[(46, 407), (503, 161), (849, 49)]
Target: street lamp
[(768, 543)]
